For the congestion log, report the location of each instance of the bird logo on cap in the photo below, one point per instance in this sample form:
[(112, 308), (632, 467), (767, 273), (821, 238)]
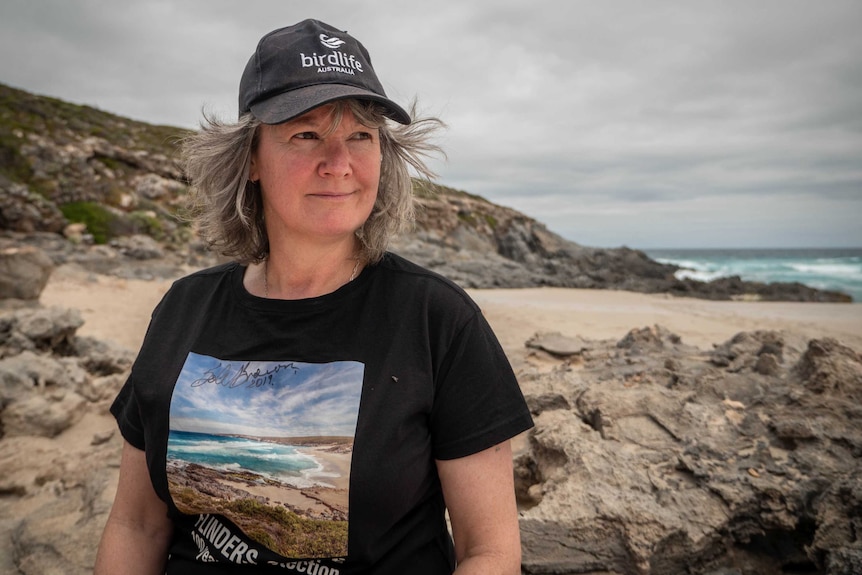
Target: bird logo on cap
[(331, 41)]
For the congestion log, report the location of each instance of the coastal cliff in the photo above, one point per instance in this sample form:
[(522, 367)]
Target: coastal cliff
[(89, 187)]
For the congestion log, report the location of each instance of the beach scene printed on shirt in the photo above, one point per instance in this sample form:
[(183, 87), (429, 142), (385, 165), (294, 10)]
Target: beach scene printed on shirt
[(267, 445)]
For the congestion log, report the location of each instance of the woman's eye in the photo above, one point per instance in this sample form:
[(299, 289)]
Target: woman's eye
[(305, 136), (362, 136)]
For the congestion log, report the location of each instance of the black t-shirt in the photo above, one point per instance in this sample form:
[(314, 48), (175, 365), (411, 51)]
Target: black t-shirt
[(301, 436)]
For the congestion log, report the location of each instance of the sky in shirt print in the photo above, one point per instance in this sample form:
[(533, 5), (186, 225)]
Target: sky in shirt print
[(267, 398)]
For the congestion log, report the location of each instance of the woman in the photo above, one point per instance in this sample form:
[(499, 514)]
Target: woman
[(318, 405)]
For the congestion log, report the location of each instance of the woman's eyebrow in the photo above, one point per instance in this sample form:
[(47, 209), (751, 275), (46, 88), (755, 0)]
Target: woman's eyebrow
[(301, 124)]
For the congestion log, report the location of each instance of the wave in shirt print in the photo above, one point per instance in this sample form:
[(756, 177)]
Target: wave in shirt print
[(284, 463)]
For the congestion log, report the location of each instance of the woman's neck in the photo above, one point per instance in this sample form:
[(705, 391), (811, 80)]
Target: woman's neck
[(301, 274)]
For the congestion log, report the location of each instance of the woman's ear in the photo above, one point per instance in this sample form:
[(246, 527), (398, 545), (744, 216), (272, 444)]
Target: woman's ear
[(253, 174)]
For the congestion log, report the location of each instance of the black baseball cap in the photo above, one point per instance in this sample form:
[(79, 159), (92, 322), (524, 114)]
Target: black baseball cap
[(300, 67)]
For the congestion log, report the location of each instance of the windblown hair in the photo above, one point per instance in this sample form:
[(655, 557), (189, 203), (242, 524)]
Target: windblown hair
[(228, 207)]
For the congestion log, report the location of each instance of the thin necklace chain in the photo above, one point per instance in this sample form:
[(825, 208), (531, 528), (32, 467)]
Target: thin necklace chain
[(266, 275)]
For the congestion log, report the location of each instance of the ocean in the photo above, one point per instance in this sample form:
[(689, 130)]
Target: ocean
[(838, 269), (282, 462)]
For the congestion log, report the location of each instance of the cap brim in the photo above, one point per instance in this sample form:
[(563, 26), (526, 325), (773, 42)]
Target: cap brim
[(288, 105)]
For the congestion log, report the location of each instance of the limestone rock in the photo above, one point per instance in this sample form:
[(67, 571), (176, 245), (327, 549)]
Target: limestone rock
[(27, 373), (827, 366), (103, 357), (48, 374), (153, 186), (43, 415), (646, 340), (57, 479), (655, 457), (24, 272), (22, 210), (558, 345), (139, 247), (49, 328)]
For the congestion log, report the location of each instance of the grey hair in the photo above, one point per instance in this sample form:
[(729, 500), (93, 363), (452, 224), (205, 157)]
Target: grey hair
[(227, 207)]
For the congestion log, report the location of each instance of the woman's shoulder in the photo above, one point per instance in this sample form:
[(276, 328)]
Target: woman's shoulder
[(397, 265), (199, 282), (405, 274), (209, 274)]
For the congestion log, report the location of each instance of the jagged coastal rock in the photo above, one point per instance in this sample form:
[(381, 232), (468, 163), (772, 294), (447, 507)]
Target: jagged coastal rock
[(55, 479), (649, 456)]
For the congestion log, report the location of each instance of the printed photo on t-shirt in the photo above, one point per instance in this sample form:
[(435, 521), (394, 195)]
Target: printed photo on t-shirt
[(266, 445)]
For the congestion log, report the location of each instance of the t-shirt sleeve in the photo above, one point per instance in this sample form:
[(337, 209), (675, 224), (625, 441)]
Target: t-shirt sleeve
[(126, 407), (126, 411), (477, 400)]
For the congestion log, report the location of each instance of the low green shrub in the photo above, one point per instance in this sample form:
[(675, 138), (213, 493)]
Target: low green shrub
[(98, 219)]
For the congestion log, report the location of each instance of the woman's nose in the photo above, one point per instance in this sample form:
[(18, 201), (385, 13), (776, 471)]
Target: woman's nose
[(336, 159)]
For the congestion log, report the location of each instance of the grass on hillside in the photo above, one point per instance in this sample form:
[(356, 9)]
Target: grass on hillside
[(25, 113)]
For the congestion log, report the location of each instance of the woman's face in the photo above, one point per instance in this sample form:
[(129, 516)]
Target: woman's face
[(318, 184)]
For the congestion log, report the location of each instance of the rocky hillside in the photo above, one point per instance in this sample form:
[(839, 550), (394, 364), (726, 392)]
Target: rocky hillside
[(62, 163), (87, 186)]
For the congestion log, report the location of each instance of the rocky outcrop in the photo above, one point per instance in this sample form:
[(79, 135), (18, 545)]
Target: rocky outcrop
[(48, 374), (131, 257), (56, 478), (653, 457), (482, 245), (24, 272), (22, 210), (649, 456)]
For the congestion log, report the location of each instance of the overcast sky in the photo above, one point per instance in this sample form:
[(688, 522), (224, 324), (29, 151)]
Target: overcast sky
[(734, 123)]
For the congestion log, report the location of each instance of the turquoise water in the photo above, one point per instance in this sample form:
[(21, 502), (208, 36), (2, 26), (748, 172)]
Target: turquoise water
[(240, 454), (830, 269)]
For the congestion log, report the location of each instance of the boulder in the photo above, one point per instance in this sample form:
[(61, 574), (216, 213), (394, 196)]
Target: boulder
[(558, 345), (48, 328), (138, 247), (154, 187), (827, 367), (43, 415), (24, 272)]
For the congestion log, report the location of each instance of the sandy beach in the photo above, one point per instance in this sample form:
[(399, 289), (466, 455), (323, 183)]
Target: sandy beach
[(119, 310), (335, 473), (516, 314)]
